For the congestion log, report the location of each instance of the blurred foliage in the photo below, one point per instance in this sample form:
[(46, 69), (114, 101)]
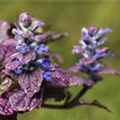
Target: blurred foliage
[(70, 17)]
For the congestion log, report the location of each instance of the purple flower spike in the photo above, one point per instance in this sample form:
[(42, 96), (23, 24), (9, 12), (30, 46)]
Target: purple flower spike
[(91, 50)]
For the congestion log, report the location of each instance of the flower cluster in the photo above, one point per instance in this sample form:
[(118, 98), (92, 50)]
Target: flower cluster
[(28, 62), (27, 76), (25, 61), (26, 72), (91, 50)]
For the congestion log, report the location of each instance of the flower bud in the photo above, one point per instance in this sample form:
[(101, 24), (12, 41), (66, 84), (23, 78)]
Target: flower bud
[(93, 30), (25, 19)]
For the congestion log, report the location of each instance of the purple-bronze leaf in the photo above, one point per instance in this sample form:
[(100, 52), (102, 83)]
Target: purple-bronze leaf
[(6, 50), (108, 71), (21, 102), (36, 101), (9, 42), (86, 61), (2, 52), (51, 36), (63, 78), (5, 108), (11, 65), (60, 78), (78, 81), (4, 27), (74, 69), (31, 81), (10, 49)]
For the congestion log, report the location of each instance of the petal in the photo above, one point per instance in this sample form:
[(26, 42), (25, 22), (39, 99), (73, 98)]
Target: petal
[(95, 68), (47, 76), (102, 50), (36, 23), (77, 49), (84, 32), (93, 30)]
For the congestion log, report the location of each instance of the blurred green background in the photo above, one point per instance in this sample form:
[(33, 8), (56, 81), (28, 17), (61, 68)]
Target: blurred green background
[(70, 17)]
